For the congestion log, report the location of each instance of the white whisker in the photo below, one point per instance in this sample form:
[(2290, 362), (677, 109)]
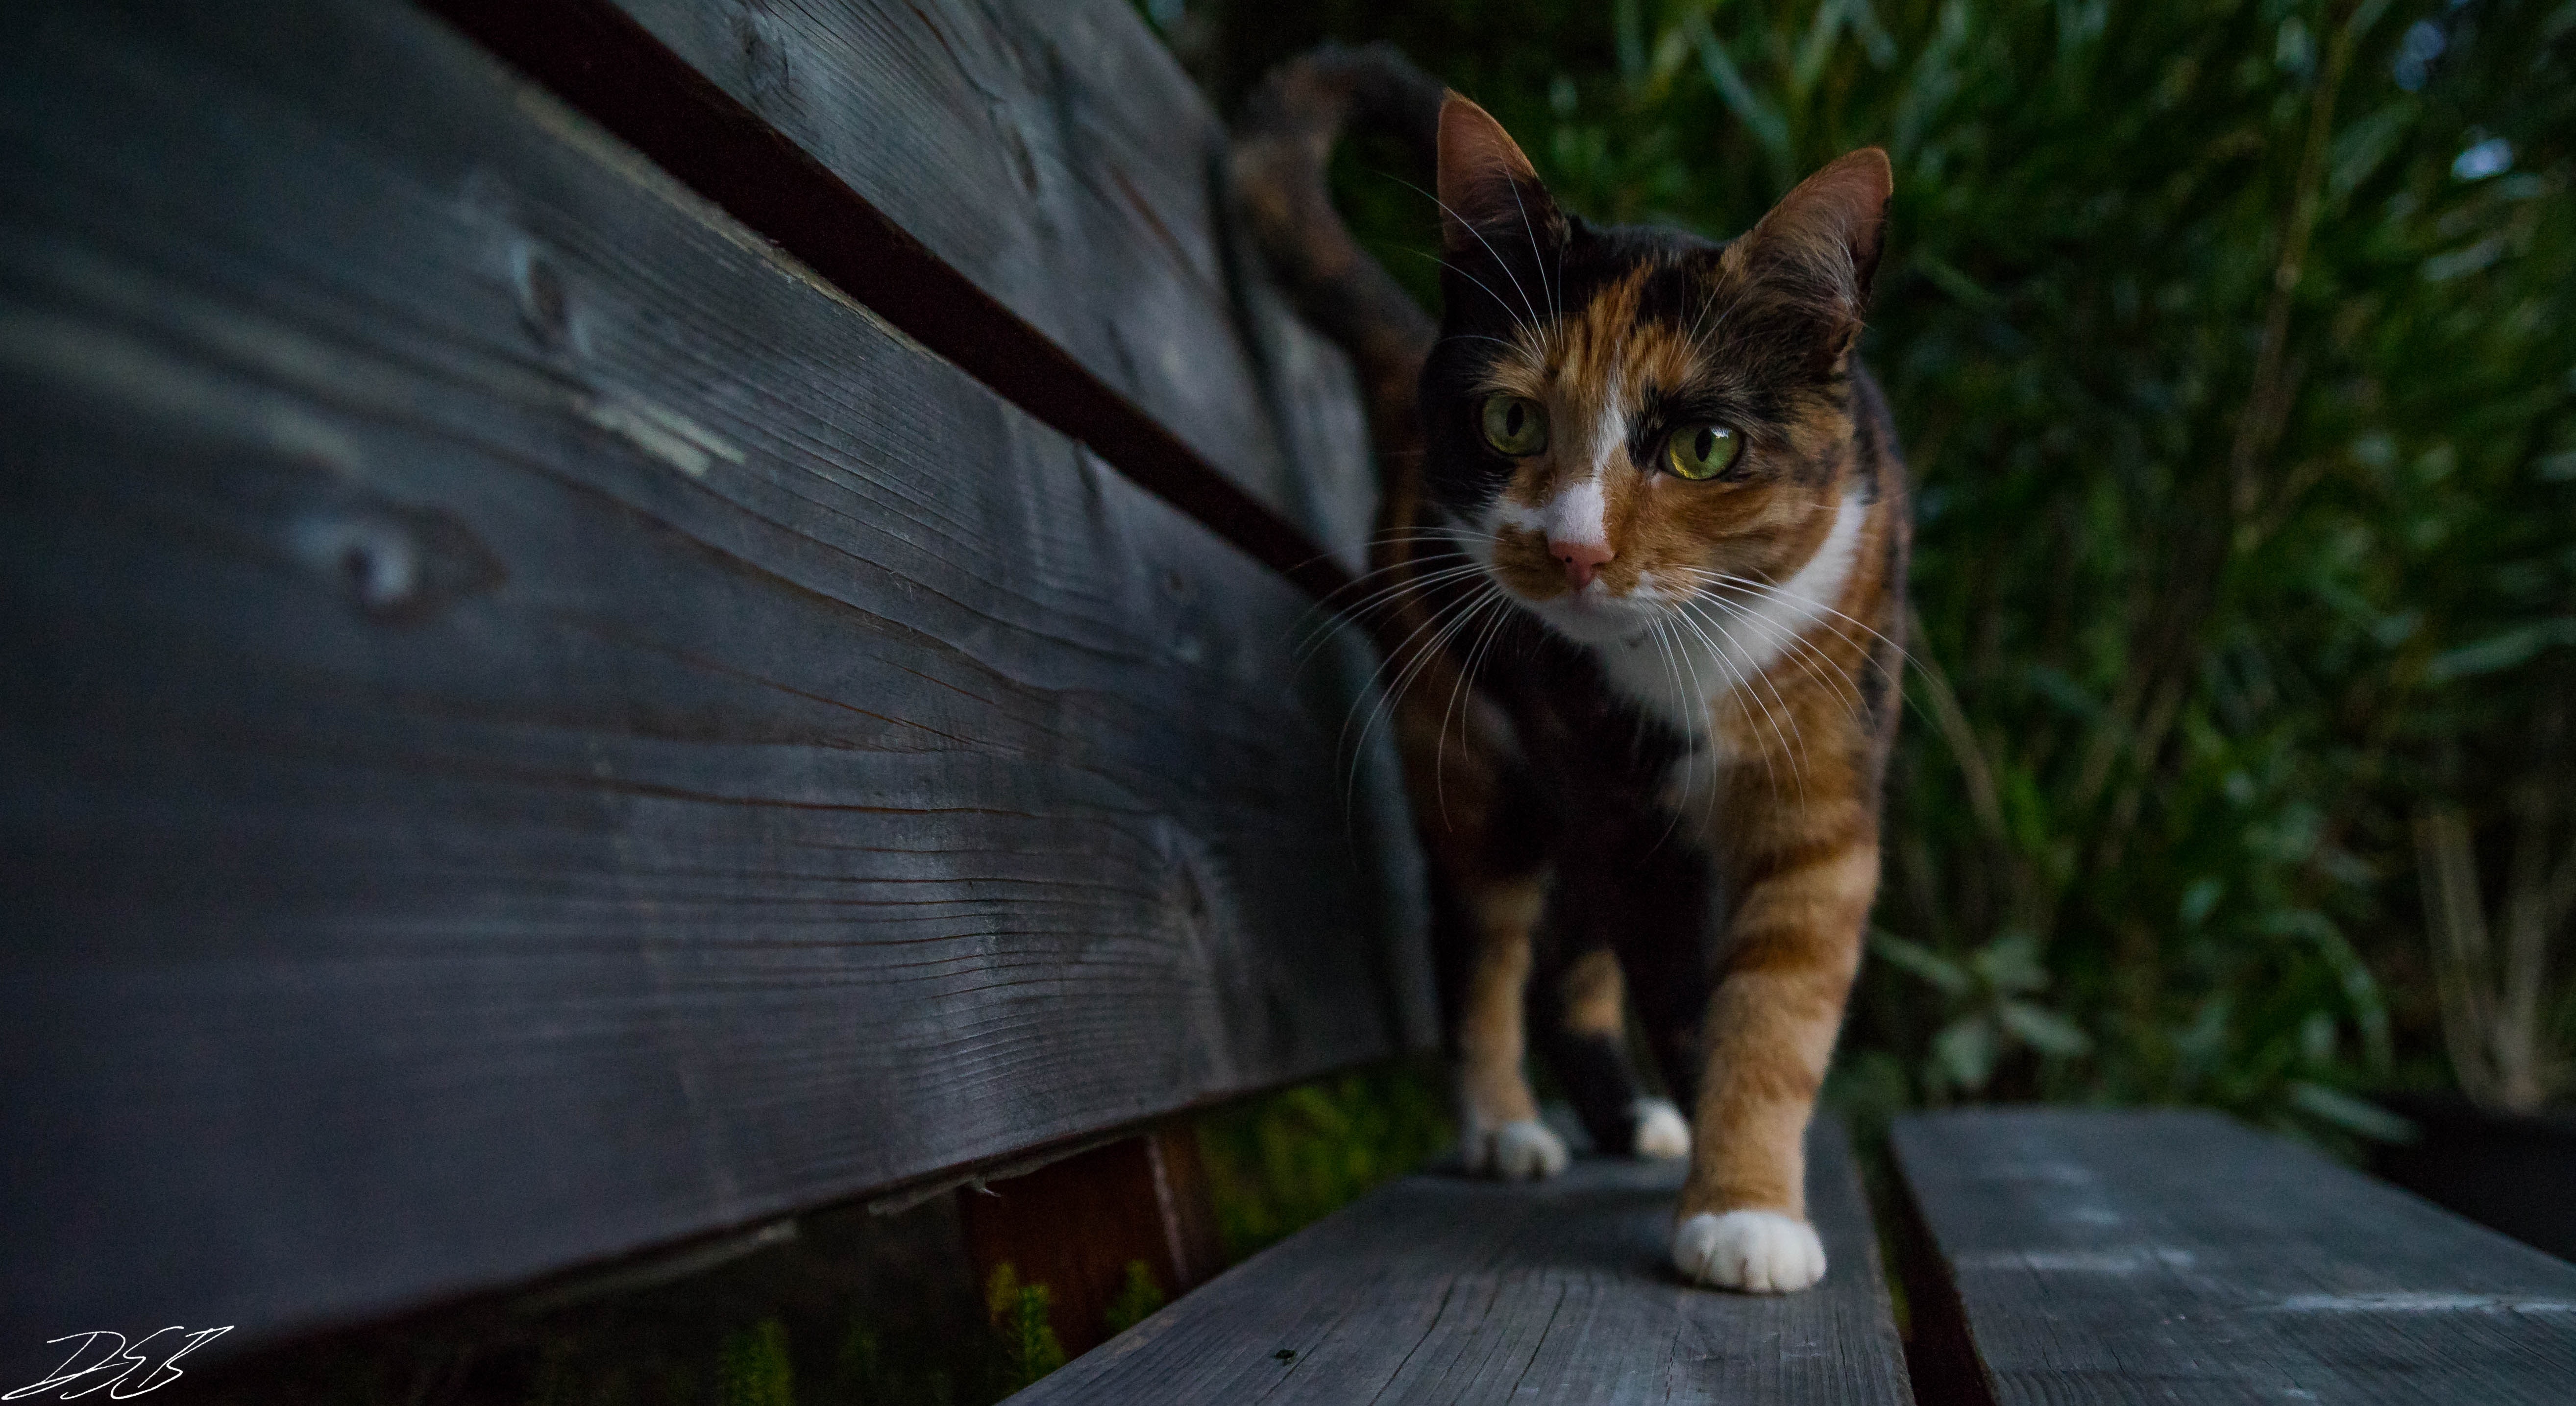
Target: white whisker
[(1792, 752), (1656, 626), (1431, 574), (1480, 337), (1797, 648), (1408, 663), (1499, 261), (1770, 592), (1536, 253), (1508, 311), (1440, 739), (1416, 660)]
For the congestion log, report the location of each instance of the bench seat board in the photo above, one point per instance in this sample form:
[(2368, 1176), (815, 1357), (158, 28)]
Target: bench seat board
[(536, 729), (1445, 1289), (2180, 1256)]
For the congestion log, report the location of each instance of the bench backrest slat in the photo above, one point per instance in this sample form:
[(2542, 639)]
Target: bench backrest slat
[(1048, 155), (537, 728)]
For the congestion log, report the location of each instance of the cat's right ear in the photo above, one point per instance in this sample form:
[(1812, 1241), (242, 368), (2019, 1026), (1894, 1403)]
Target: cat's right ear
[(1489, 192)]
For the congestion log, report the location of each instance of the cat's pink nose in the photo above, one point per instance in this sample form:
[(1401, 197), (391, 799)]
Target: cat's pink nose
[(1582, 560)]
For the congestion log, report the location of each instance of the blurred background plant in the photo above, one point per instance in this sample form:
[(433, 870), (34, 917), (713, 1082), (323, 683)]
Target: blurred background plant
[(1274, 1163), (2507, 1044), (2234, 342)]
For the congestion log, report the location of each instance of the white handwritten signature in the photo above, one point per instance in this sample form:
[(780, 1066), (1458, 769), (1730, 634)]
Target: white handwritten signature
[(123, 1359)]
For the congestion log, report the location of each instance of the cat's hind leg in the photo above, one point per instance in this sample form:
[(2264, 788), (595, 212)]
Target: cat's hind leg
[(1583, 1013), (1484, 832), (1498, 1124)]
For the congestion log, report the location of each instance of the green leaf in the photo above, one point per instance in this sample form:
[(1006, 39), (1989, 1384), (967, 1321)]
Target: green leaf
[(1947, 277), (1965, 1052), (2011, 963), (2354, 1115), (2045, 1030), (1023, 1326), (1759, 117), (1948, 976), (1138, 1298), (2201, 896), (753, 1369), (2500, 652), (1809, 65), (1875, 41)]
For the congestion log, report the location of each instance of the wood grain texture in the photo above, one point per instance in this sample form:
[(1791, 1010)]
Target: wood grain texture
[(609, 67), (1446, 1289), (2177, 1256), (536, 729), (1051, 152), (1054, 152)]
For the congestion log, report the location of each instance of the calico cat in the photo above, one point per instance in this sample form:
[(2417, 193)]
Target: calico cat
[(1639, 581)]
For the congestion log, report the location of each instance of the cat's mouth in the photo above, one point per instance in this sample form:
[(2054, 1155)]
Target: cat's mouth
[(1596, 613), (1593, 614)]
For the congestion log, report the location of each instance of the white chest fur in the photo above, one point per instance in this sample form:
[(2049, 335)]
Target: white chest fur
[(1716, 647)]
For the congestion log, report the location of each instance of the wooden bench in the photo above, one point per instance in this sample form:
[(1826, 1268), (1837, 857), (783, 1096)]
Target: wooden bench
[(2060, 1256), (2048, 1255), (1443, 1288), (630, 618)]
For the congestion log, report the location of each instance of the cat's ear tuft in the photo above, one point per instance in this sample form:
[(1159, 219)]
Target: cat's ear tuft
[(1487, 186), (1831, 227)]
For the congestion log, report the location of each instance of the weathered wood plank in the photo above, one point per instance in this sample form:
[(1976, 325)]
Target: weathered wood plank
[(2180, 1256), (535, 728), (1445, 1289), (1049, 151)]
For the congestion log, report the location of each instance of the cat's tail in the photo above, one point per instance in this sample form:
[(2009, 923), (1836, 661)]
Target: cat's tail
[(1282, 143)]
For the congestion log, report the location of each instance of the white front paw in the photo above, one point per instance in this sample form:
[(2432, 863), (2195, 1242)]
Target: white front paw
[(1661, 1135), (1760, 1252), (1521, 1151)]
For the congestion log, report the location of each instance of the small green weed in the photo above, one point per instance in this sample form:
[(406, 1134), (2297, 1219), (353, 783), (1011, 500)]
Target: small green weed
[(1019, 1312)]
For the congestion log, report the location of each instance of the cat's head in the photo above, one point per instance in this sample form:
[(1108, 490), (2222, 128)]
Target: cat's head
[(1622, 420)]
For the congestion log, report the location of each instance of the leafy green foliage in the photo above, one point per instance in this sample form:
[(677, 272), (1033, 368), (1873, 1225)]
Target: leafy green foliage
[(2232, 344), (753, 1369), (1992, 1006), (1019, 1313), (867, 1374), (1278, 1162), (1138, 1298)]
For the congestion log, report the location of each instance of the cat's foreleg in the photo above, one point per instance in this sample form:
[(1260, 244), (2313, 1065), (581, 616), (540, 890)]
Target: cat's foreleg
[(1793, 944)]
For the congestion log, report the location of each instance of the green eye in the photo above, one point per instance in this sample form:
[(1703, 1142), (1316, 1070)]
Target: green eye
[(1703, 451), (1516, 425)]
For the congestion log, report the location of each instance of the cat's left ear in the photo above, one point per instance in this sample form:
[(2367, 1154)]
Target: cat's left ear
[(1489, 192), (1827, 233)]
